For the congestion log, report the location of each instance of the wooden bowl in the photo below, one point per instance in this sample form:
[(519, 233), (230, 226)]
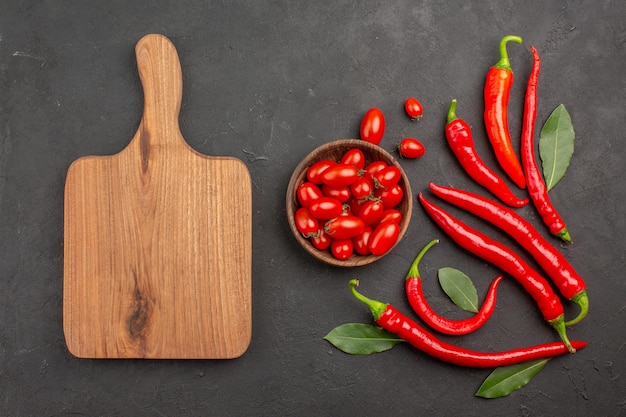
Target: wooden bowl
[(335, 150)]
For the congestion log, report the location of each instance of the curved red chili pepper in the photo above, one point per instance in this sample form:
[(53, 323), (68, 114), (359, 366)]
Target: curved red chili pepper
[(392, 320), (497, 91), (536, 186), (417, 300), (570, 284), (459, 136), (505, 259)]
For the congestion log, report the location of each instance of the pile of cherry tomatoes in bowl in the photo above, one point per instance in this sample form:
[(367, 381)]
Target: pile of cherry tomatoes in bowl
[(349, 202)]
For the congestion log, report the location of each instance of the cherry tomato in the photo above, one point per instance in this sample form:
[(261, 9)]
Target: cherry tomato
[(314, 173), (344, 227), (373, 168), (390, 214), (354, 205), (326, 208), (321, 241), (411, 148), (391, 196), (360, 242), (305, 222), (340, 193), (373, 126), (371, 211), (361, 188), (340, 175), (387, 177), (413, 108), (354, 157), (307, 193), (384, 237), (342, 249)]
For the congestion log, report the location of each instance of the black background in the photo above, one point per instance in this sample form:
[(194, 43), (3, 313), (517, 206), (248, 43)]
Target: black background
[(267, 82)]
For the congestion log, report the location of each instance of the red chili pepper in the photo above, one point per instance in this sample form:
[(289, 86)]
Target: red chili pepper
[(505, 259), (392, 320), (459, 136), (570, 284), (536, 186), (497, 91), (417, 299)]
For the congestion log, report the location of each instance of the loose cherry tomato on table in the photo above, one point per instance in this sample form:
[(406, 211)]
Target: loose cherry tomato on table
[(307, 193), (342, 249), (314, 173), (373, 126), (340, 175), (344, 227), (413, 108), (384, 237), (326, 208), (354, 157), (306, 223), (411, 148)]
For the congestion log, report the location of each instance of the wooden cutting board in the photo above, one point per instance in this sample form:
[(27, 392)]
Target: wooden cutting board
[(158, 238)]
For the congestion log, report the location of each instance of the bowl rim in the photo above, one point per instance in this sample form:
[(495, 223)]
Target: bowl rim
[(297, 178)]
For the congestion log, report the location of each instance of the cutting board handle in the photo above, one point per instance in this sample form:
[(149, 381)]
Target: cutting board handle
[(161, 78)]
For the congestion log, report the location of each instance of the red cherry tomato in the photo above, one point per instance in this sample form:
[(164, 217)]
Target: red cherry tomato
[(373, 168), (340, 193), (342, 249), (326, 208), (344, 227), (314, 173), (387, 177), (411, 148), (340, 175), (413, 108), (384, 237), (305, 222), (354, 157), (390, 214), (362, 188), (307, 193), (361, 241), (391, 196), (321, 241), (373, 126), (371, 211)]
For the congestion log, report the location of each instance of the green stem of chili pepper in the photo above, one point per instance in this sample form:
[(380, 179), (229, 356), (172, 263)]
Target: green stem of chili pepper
[(392, 320), (504, 62)]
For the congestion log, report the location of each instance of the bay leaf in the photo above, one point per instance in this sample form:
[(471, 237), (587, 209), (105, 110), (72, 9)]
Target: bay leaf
[(460, 288), (361, 339), (507, 379), (556, 145)]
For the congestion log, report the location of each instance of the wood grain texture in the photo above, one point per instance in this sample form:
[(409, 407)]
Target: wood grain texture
[(157, 255)]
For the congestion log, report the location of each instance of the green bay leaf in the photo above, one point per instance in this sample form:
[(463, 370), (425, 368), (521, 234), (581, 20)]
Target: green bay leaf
[(361, 339), (459, 288), (507, 379), (556, 145)]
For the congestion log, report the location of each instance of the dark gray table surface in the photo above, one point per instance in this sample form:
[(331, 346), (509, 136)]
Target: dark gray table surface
[(267, 82)]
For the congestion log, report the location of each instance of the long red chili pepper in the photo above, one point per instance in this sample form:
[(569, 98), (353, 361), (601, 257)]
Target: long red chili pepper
[(417, 300), (497, 92), (459, 136), (536, 186), (392, 320), (570, 284), (505, 259)]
